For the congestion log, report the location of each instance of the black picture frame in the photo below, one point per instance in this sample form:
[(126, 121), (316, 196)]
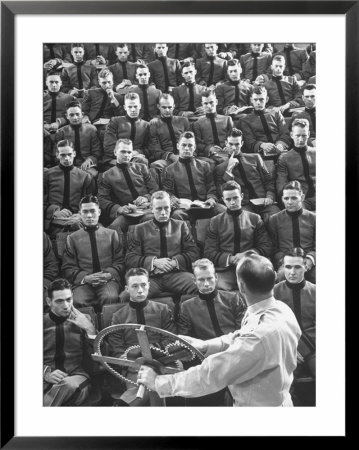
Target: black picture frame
[(9, 10)]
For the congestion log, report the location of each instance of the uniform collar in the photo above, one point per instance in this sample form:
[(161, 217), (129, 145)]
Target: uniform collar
[(66, 168), (138, 305), (57, 319), (91, 228), (295, 286)]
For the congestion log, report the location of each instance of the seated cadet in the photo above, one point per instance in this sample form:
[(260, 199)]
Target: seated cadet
[(64, 186), (141, 53), (54, 55), (99, 55), (51, 265), (165, 72), (93, 259), (102, 102), (264, 131), (123, 70), (84, 136), (68, 341), (234, 96), (190, 178), (144, 312), (130, 126), (188, 96), (283, 91), (211, 69), (295, 60), (233, 233), (183, 52), (79, 76), (211, 131), (300, 296), (125, 188), (293, 227), (299, 164), (210, 314), (249, 171), (165, 247), (148, 94), (310, 67), (229, 51), (54, 103), (309, 113), (255, 62), (165, 131)]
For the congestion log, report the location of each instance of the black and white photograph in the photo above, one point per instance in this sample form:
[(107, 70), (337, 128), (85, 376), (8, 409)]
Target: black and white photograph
[(166, 212)]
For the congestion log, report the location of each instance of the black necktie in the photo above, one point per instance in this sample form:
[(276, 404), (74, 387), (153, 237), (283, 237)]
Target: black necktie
[(213, 316), (280, 89), (247, 184), (165, 72), (187, 164), (303, 155), (146, 114), (133, 129), (163, 242), (311, 112), (124, 70), (95, 259), (168, 122), (191, 97), (255, 66), (66, 194), (288, 60), (214, 129), (79, 75), (59, 351), (265, 126), (129, 181), (140, 313), (102, 107), (295, 227), (51, 48), (237, 234), (211, 72), (236, 92), (53, 106)]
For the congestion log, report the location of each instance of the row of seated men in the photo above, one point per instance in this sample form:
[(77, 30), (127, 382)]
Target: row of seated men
[(209, 313), (81, 61)]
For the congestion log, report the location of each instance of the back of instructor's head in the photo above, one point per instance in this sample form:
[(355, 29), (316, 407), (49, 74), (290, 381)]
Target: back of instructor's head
[(257, 274)]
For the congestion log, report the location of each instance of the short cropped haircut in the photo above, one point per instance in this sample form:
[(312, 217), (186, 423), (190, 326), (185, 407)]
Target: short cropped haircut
[(89, 199), (207, 94), (186, 135), (53, 72), (58, 285), (123, 141), (235, 133), (258, 90), (104, 73), (202, 264), (231, 186), (296, 252), (309, 87), (74, 104), (132, 96), (300, 122), (165, 96), (136, 272), (142, 66), (278, 58), (160, 195), (293, 185), (77, 45), (64, 143), (257, 273), (121, 45), (188, 64), (233, 62)]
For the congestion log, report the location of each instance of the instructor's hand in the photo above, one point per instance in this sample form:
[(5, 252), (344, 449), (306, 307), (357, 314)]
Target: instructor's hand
[(196, 343), (147, 376)]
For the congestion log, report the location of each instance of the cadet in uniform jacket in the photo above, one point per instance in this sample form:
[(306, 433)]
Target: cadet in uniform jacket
[(125, 127), (210, 70), (79, 75), (282, 90), (152, 94), (97, 105), (181, 51), (310, 115), (56, 51), (253, 177), (172, 239), (91, 250), (296, 60), (299, 164), (182, 98), (211, 129), (230, 233), (66, 347), (227, 96), (54, 107), (85, 139), (165, 73), (63, 188), (292, 229), (92, 51), (254, 64), (123, 71)]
